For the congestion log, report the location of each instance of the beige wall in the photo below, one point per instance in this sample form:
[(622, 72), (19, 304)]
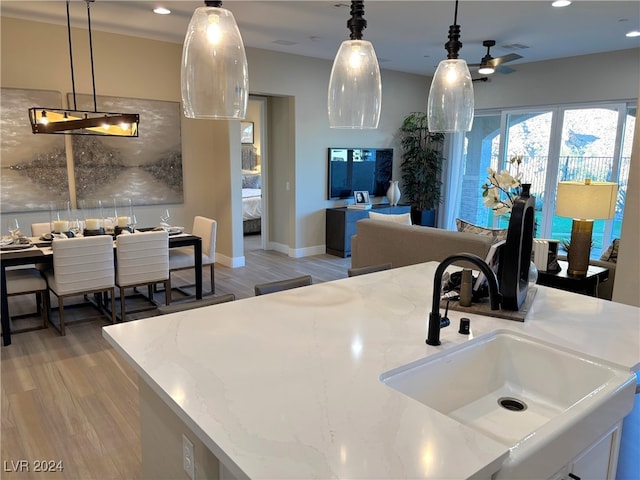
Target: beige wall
[(134, 67), (588, 78), (298, 129)]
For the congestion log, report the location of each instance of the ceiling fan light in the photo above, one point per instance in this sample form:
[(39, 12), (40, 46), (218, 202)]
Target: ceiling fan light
[(486, 70), (214, 76), (450, 105), (355, 87)]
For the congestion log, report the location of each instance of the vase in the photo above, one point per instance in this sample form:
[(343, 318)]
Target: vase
[(393, 193)]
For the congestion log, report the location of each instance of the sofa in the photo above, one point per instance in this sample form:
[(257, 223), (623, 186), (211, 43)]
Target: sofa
[(378, 242)]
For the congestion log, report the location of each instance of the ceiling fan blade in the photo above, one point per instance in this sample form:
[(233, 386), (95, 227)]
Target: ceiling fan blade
[(505, 70), (504, 59)]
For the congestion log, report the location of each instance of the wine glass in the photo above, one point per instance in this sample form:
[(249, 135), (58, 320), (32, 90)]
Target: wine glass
[(113, 215), (14, 228), (164, 218), (75, 227), (132, 222)]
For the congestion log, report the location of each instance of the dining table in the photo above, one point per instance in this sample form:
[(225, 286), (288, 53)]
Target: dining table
[(39, 252)]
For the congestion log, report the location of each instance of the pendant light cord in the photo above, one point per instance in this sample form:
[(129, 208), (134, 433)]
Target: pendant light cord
[(73, 80), (454, 44), (356, 24), (93, 77)]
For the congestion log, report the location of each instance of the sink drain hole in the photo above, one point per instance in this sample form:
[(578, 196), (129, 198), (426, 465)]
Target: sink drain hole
[(512, 404)]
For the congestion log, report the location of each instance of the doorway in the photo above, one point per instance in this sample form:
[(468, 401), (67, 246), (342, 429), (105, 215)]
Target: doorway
[(254, 174)]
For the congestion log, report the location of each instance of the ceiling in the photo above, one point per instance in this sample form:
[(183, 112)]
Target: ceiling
[(408, 36)]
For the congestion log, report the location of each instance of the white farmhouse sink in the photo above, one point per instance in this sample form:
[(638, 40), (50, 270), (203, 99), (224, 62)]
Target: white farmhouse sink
[(520, 391)]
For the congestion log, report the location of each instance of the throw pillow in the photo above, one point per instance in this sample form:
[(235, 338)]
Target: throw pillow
[(611, 254), (497, 233), (403, 218), (251, 180)]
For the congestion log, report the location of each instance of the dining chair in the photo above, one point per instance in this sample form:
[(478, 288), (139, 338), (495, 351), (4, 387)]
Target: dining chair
[(355, 271), (279, 285), (205, 302), (27, 281), (142, 259), (181, 258), (81, 266)]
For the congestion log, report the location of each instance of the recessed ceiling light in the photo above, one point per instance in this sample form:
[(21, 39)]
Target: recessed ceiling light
[(561, 3), (161, 11), (633, 33)]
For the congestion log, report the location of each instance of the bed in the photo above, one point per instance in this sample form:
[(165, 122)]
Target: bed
[(251, 202)]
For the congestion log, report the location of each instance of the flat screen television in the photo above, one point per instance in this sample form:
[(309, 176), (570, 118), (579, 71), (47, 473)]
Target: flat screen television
[(353, 169)]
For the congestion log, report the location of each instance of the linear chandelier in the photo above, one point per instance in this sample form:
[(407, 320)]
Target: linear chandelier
[(82, 122), (450, 105), (355, 87), (214, 76)]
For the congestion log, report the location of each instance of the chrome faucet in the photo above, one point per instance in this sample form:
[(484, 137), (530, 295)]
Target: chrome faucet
[(435, 319)]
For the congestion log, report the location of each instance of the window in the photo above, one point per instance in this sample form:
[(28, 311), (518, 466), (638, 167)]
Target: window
[(557, 144)]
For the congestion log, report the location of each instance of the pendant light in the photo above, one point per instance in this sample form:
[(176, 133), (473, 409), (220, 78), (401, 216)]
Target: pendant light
[(355, 88), (214, 74), (450, 104), (81, 122)]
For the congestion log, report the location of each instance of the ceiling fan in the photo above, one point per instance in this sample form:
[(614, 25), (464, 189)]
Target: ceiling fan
[(489, 64)]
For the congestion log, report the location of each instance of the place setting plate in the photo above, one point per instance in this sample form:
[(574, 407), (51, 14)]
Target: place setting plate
[(176, 230), (8, 244)]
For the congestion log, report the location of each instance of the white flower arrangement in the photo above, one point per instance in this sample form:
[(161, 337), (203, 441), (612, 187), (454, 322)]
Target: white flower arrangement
[(502, 188)]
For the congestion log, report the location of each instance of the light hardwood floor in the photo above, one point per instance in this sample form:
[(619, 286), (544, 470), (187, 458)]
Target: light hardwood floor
[(73, 400)]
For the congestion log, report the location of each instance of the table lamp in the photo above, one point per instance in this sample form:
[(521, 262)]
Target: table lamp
[(584, 202)]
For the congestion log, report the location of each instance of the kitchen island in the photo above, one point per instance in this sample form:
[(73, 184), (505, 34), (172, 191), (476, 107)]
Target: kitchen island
[(287, 385)]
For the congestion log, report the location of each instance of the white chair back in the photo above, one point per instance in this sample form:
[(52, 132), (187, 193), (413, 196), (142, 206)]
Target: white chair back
[(206, 229), (142, 258), (82, 264)]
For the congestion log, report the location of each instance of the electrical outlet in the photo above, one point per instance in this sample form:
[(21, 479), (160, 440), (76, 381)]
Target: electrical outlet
[(188, 459)]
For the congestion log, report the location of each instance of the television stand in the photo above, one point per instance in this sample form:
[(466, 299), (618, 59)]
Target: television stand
[(341, 225)]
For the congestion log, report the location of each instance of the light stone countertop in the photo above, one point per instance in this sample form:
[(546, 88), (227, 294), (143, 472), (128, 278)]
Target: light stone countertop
[(287, 385)]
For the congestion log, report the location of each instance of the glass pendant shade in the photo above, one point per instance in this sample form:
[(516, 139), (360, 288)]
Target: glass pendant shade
[(355, 88), (214, 74), (450, 104)]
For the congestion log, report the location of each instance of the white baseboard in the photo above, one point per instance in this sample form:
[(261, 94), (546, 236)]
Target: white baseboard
[(231, 262), (297, 252), (236, 262)]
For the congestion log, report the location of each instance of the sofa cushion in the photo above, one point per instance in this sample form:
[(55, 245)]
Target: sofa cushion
[(611, 254), (378, 242), (496, 233), (402, 218)]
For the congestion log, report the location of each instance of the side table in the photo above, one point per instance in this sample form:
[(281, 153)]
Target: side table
[(587, 284)]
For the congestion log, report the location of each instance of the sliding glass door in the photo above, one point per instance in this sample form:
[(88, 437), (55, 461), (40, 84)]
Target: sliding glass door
[(556, 144)]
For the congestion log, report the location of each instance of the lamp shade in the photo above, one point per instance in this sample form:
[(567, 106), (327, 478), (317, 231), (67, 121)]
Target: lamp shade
[(355, 87), (214, 74), (586, 200), (450, 104)]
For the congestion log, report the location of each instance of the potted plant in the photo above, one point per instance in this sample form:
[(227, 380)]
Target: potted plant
[(421, 167)]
